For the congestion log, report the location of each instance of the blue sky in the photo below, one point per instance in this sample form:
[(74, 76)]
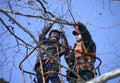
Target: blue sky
[(102, 22)]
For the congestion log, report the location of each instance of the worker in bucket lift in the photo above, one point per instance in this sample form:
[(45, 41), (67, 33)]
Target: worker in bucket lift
[(82, 57), (52, 47)]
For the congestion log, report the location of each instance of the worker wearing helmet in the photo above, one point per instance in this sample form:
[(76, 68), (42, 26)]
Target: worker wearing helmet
[(50, 53), (84, 51)]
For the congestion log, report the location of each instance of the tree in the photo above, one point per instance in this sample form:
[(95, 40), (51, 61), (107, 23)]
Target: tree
[(3, 81), (22, 20), (107, 76)]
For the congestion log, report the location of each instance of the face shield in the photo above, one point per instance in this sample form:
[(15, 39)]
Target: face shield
[(76, 33), (78, 37), (55, 35)]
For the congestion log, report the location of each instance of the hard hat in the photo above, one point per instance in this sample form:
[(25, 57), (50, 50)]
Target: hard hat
[(55, 30), (76, 31)]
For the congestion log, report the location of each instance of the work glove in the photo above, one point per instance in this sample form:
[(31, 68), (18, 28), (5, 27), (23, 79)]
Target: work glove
[(76, 23), (79, 25)]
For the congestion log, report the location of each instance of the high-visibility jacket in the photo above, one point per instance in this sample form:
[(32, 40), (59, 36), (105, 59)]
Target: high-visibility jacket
[(85, 50), (84, 59)]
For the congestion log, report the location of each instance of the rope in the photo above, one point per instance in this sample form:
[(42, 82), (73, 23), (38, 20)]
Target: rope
[(58, 58), (41, 66)]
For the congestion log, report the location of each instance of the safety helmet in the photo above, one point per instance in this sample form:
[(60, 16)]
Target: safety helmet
[(76, 31), (55, 31)]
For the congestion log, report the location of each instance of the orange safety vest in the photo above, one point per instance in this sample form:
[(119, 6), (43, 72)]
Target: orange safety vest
[(83, 57)]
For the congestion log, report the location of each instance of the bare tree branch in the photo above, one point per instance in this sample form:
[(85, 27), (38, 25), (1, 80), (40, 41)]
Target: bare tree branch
[(53, 19), (105, 77), (13, 33), (20, 26)]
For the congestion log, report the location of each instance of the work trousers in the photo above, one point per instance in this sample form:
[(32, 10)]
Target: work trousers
[(84, 74), (53, 77)]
